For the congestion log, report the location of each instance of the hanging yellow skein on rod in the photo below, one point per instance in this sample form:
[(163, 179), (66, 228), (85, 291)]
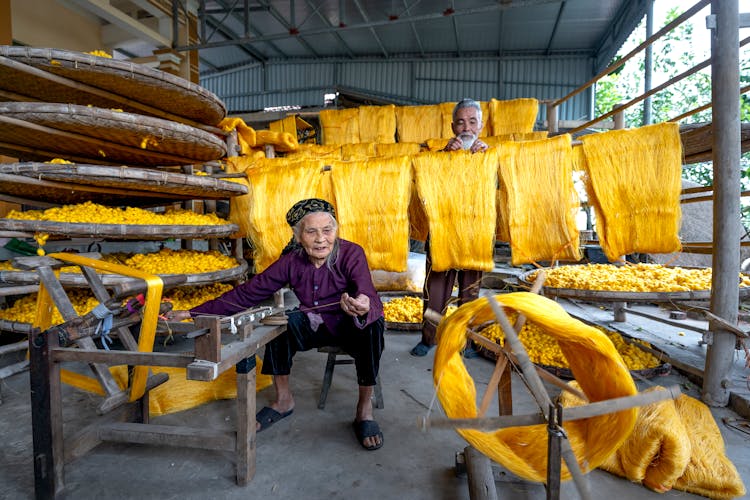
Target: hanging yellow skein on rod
[(593, 359)]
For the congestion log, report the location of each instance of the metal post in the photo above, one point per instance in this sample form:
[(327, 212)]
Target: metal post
[(552, 125), (726, 157)]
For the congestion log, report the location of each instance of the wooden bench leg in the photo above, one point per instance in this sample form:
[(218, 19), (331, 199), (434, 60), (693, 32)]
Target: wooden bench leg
[(327, 378), (246, 408)]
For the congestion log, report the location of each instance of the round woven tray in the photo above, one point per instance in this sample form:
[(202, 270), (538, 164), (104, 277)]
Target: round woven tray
[(122, 181), (622, 296), (78, 280), (565, 373), (118, 231), (42, 131), (400, 325), (54, 75)]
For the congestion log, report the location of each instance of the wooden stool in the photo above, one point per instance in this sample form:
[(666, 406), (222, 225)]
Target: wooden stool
[(334, 351)]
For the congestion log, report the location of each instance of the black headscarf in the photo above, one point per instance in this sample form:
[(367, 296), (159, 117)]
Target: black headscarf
[(299, 210)]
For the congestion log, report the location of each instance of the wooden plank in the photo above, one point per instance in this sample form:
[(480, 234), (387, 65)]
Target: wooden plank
[(168, 435), (123, 397), (111, 358), (208, 346), (87, 438)]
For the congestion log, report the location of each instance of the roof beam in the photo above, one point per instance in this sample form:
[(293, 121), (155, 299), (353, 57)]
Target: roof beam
[(384, 22), (104, 10), (407, 8), (330, 24), (371, 28), (554, 28), (292, 31)]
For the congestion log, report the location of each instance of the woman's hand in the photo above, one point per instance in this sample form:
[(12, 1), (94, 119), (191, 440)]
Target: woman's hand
[(358, 306), (177, 315)]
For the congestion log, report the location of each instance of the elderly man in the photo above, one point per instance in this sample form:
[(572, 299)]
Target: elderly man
[(338, 306), (438, 288)]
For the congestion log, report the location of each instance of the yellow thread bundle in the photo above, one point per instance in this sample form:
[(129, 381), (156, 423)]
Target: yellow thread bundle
[(397, 149), (245, 133), (418, 123), (176, 394), (377, 124), (513, 115), (634, 181), (593, 360), (675, 444), (418, 223), (377, 220), (239, 206), (276, 185), (340, 126), (496, 140), (327, 151), (282, 141), (457, 191), (358, 151), (537, 200)]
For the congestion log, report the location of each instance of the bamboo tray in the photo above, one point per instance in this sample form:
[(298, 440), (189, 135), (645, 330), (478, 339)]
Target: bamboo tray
[(565, 373), (78, 280), (622, 296), (54, 75), (400, 325), (118, 231), (71, 184), (83, 134)]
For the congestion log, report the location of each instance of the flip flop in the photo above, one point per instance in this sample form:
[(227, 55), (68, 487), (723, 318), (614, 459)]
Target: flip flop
[(267, 416), (367, 428)]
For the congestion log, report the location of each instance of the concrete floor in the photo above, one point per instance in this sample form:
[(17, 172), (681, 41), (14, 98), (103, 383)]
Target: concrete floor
[(312, 454)]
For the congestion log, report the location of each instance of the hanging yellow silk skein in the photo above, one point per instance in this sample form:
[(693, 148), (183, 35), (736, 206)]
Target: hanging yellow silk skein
[(593, 359), (536, 180), (378, 221), (377, 124), (418, 123), (633, 181), (397, 149), (277, 184), (457, 191), (359, 151), (329, 151), (512, 116), (340, 126)]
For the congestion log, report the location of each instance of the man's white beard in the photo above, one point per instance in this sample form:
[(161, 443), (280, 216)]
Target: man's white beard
[(467, 139)]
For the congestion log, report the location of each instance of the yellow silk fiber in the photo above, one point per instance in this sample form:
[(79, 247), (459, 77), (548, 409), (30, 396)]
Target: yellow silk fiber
[(340, 126), (397, 149), (245, 133), (536, 180), (377, 124), (513, 116), (418, 123), (436, 144), (634, 181), (496, 140), (360, 151), (710, 472), (239, 206), (593, 359), (330, 151), (656, 452), (457, 192), (377, 221), (277, 184), (282, 141)]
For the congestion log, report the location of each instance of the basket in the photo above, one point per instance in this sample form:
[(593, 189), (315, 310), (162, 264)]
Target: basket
[(117, 186), (118, 231), (54, 75), (42, 131)]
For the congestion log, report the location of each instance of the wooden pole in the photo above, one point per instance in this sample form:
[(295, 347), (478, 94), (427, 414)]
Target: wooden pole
[(726, 162)]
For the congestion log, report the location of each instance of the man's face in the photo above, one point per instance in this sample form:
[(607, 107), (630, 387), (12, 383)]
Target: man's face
[(467, 125)]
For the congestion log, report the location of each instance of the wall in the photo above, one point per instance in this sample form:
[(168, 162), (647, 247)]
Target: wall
[(46, 23), (404, 82)]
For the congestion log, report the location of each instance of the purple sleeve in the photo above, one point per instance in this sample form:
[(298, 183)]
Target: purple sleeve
[(355, 263), (249, 294)]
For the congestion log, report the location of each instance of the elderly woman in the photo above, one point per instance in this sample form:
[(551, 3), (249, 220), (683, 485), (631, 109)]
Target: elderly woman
[(338, 305)]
